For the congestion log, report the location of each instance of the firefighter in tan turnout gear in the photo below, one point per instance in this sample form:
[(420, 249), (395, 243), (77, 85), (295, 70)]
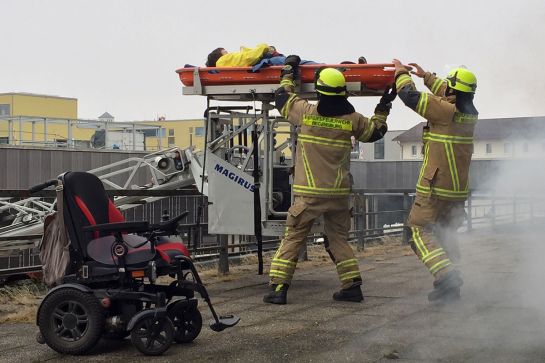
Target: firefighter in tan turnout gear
[(442, 186), (322, 180)]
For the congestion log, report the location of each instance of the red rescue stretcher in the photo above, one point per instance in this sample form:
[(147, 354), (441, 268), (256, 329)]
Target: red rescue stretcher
[(362, 79)]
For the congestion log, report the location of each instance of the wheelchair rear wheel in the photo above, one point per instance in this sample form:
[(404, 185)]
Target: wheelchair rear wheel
[(71, 321)]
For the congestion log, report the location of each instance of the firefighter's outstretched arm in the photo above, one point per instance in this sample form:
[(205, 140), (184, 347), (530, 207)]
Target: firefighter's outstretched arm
[(406, 88), (374, 128), (286, 93), (290, 106), (436, 85), (433, 108)]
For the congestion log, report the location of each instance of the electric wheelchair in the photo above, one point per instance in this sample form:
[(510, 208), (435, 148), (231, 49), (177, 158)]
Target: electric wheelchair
[(109, 288)]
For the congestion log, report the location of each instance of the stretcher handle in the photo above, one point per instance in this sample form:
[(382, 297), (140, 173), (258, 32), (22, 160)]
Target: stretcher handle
[(42, 186)]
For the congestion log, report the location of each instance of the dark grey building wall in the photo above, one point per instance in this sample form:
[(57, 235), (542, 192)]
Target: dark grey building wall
[(484, 174), (23, 167)]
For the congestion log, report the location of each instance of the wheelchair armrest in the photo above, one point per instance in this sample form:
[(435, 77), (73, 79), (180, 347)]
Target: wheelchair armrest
[(129, 227), (169, 225)]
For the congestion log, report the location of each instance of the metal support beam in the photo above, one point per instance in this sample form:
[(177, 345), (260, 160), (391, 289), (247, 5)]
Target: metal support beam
[(69, 135), (45, 131), (133, 137), (406, 207), (20, 131), (223, 261), (105, 134), (10, 132)]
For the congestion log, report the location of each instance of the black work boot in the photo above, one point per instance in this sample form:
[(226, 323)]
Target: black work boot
[(447, 288), (353, 294), (277, 295)]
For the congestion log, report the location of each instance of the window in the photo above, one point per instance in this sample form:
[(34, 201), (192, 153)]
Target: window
[(199, 131), (171, 141), (414, 149), (170, 132), (379, 149), (489, 148), (4, 140), (508, 148), (4, 110), (150, 132), (162, 132), (525, 147)]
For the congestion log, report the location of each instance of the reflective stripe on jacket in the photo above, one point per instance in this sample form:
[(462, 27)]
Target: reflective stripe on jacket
[(324, 145), (447, 139)]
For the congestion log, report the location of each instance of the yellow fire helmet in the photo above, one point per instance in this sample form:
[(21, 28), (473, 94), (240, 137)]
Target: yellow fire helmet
[(461, 79), (331, 82)]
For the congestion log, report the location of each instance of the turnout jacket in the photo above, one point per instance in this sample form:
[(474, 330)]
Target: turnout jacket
[(324, 143), (447, 138)]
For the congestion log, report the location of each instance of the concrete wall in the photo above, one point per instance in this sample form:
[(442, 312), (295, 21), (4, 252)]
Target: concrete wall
[(23, 167)]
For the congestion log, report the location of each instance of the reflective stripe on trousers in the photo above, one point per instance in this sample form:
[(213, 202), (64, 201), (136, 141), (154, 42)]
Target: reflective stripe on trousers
[(434, 257), (348, 270), (301, 217)]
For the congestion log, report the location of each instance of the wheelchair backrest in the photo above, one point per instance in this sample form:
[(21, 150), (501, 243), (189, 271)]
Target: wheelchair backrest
[(86, 203)]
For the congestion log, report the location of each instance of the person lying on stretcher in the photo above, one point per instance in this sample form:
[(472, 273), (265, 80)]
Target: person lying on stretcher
[(258, 57)]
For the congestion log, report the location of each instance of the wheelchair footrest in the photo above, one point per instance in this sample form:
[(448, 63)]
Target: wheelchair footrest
[(224, 322)]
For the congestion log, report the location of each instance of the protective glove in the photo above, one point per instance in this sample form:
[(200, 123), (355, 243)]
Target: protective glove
[(287, 71), (293, 61), (385, 103)]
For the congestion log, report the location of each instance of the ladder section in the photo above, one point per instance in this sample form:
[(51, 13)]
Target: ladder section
[(163, 170)]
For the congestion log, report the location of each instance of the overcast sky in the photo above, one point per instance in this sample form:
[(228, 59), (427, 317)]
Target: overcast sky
[(120, 55)]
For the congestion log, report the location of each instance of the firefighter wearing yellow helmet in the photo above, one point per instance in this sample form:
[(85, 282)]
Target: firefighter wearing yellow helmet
[(443, 184), (322, 179)]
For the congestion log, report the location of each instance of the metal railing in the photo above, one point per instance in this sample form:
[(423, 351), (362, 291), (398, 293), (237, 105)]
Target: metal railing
[(376, 213)]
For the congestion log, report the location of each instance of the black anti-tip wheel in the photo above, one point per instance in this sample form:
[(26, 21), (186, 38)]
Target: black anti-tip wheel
[(187, 322), (71, 321), (152, 336)]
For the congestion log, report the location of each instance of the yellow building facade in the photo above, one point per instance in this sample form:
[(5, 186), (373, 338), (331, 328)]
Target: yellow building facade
[(29, 104), (191, 132), (42, 120), (174, 133), (22, 118)]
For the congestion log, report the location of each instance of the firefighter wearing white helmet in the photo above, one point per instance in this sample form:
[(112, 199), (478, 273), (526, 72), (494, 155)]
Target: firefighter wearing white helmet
[(322, 179), (443, 184)]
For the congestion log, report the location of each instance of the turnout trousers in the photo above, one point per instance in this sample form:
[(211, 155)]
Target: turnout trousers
[(433, 224), (301, 216)]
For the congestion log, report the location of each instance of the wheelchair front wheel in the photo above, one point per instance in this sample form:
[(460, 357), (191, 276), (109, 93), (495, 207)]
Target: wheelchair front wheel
[(187, 322), (152, 336)]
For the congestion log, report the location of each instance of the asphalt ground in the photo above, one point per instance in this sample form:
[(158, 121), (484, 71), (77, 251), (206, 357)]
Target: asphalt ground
[(500, 317)]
